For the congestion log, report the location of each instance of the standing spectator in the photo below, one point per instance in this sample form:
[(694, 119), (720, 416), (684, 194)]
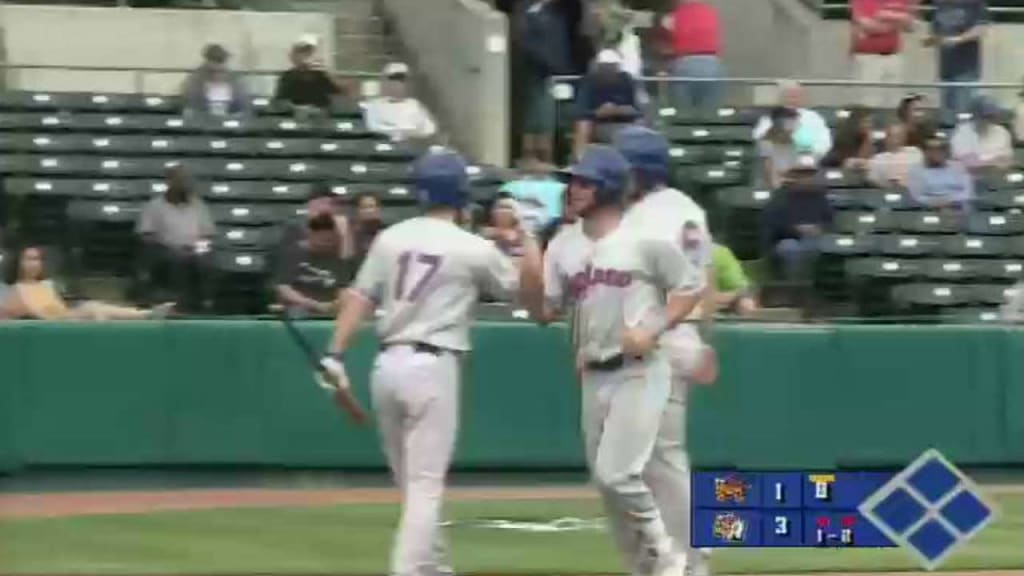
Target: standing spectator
[(309, 279), (395, 113), (321, 201), (876, 42), (892, 167), (776, 148), (307, 84), (696, 44), (795, 219), (606, 102), (811, 129), (733, 291), (213, 88), (853, 144), (956, 31), (176, 229), (367, 224), (544, 38), (981, 142), (939, 183), (912, 115)]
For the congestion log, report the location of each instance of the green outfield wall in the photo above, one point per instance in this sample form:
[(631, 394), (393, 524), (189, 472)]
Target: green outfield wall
[(223, 392)]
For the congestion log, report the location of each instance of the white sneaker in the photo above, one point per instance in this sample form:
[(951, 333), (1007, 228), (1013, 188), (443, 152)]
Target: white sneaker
[(672, 565)]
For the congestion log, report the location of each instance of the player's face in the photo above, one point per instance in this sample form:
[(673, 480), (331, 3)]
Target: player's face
[(31, 264), (368, 208), (581, 195), (503, 215)]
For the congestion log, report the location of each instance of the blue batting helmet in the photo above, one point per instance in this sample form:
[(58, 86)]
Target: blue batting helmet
[(646, 150), (604, 167), (440, 179)]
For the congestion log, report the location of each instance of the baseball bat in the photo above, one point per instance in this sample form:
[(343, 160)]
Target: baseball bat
[(343, 398)]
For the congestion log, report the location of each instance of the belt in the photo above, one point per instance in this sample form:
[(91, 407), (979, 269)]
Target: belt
[(421, 347), (608, 364)]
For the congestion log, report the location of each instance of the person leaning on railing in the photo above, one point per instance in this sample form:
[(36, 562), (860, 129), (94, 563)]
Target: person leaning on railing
[(606, 102)]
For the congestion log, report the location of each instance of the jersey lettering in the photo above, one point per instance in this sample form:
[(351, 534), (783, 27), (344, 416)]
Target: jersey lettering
[(430, 262), (590, 276)]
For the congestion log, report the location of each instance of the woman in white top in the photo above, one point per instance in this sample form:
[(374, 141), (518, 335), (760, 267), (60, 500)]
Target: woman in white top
[(891, 167), (395, 113)]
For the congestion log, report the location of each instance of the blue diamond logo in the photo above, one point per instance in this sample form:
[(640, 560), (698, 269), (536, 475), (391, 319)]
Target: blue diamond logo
[(932, 540), (899, 510), (933, 480), (966, 512)]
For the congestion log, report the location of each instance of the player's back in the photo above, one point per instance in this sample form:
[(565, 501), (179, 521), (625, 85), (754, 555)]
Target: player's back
[(664, 212), (429, 274)]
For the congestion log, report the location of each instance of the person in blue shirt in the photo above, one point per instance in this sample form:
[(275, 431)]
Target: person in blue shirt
[(956, 30), (938, 183), (606, 101)]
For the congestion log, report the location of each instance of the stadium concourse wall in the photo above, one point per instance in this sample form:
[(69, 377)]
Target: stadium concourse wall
[(77, 36), (238, 392)]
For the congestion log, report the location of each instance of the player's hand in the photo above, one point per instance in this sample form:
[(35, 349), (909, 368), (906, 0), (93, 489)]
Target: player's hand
[(331, 375), (637, 342), (706, 372)]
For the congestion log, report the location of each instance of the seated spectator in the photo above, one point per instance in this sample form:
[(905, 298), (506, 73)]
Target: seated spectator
[(914, 118), (733, 291), (395, 113), (938, 182), (538, 193), (307, 84), (34, 296), (810, 126), (213, 89), (309, 278), (795, 219), (853, 144), (321, 201), (981, 142), (176, 229), (366, 225), (892, 167), (777, 148), (606, 101)]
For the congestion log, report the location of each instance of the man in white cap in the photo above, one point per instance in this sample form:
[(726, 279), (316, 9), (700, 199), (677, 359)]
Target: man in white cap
[(606, 101), (308, 84), (394, 113)]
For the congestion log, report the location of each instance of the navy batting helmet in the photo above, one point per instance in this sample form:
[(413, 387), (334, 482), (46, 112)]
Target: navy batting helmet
[(606, 169), (440, 179), (646, 150)]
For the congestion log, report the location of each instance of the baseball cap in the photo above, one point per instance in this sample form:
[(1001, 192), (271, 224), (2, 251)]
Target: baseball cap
[(603, 165), (609, 56), (307, 40), (395, 70), (643, 147)]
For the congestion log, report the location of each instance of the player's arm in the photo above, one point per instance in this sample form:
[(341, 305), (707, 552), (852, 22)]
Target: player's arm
[(357, 302), (544, 294)]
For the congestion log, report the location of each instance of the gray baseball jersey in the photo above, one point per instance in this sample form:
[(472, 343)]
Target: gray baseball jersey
[(625, 285), (425, 275), (666, 213)]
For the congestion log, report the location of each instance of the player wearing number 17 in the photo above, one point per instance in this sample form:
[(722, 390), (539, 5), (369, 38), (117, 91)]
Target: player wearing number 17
[(424, 275)]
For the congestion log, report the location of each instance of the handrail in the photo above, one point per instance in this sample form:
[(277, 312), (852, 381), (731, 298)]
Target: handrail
[(767, 81)]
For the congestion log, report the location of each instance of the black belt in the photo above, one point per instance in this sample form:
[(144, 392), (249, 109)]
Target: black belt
[(608, 364), (422, 347)]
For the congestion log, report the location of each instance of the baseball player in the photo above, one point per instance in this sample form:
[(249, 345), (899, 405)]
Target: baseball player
[(662, 212), (424, 275), (618, 288)]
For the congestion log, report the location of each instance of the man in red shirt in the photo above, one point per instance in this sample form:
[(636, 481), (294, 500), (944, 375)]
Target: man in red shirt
[(876, 27), (696, 42)]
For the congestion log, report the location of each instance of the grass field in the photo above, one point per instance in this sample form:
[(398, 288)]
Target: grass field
[(355, 538)]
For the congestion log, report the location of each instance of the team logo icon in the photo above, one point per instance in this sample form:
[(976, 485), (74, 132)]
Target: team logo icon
[(729, 527), (731, 489)]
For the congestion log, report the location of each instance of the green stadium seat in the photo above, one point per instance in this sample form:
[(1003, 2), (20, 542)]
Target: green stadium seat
[(709, 134), (105, 211), (928, 222), (742, 197), (366, 150), (716, 176), (849, 244), (835, 178), (950, 270), (33, 100), (233, 191), (886, 200), (244, 262), (721, 116), (284, 147), (1009, 180), (244, 214), (907, 245), (932, 295), (993, 294), (1006, 199), (368, 172), (996, 224), (972, 316), (1015, 246), (888, 268), (857, 222), (975, 246), (246, 237), (1002, 270), (117, 123)]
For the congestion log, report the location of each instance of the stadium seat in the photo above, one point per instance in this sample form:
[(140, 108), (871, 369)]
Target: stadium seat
[(744, 198), (365, 150), (709, 134), (857, 222), (995, 224), (932, 295), (947, 270), (849, 244), (157, 104), (220, 146), (108, 211), (907, 245), (835, 178), (928, 222), (971, 316), (244, 214), (1008, 199), (236, 238), (886, 200), (721, 116), (888, 268), (241, 281), (368, 172), (1010, 180), (1001, 270), (284, 147), (974, 246), (993, 294), (253, 191)]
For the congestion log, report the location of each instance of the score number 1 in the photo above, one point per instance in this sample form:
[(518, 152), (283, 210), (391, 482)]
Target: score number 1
[(781, 522)]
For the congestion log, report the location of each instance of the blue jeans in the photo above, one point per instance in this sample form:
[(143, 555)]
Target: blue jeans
[(797, 257), (699, 95), (957, 99)]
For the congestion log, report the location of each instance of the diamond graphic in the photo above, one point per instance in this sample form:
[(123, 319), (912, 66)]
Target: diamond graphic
[(930, 509)]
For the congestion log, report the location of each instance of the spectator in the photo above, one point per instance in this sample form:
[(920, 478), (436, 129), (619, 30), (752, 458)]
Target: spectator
[(1019, 118), (606, 102), (307, 84), (956, 31), (939, 183), (395, 113), (696, 45), (309, 279), (568, 218), (914, 118), (544, 38), (368, 223), (733, 291), (214, 89), (33, 295), (876, 42), (776, 148), (892, 167), (811, 129), (321, 201), (981, 142), (538, 192), (795, 219), (176, 229), (853, 144)]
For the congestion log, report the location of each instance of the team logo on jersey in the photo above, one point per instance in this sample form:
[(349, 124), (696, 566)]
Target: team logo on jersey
[(590, 276), (729, 527), (731, 488)]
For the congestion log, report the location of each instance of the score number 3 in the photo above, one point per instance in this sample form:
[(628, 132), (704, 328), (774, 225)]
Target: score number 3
[(430, 262)]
